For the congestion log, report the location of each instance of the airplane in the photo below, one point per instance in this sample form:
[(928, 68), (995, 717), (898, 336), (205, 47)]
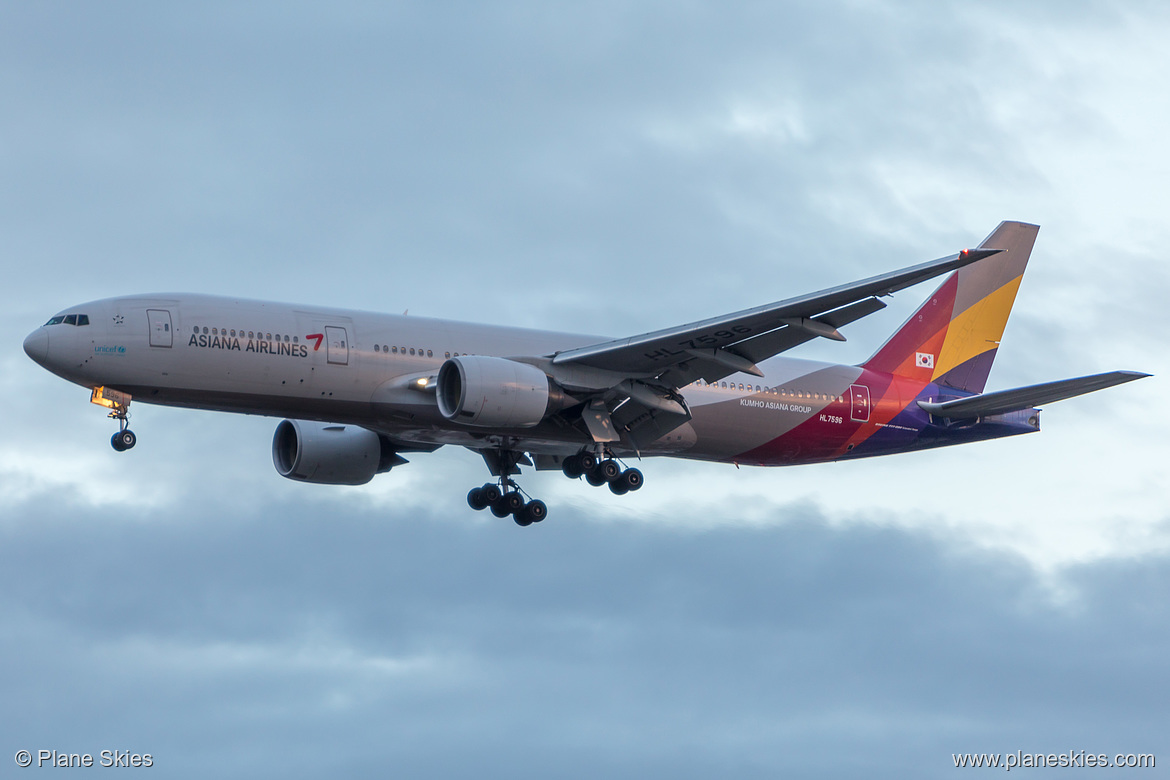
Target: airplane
[(360, 389)]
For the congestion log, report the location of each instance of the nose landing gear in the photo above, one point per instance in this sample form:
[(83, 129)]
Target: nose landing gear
[(119, 405)]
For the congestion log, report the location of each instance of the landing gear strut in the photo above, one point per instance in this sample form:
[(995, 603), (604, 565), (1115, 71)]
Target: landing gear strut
[(507, 499), (606, 471)]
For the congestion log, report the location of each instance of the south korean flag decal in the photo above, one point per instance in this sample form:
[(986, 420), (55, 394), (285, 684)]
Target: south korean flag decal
[(924, 360)]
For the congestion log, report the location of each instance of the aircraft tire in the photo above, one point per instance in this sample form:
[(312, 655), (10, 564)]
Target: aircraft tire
[(522, 519), (123, 440), (491, 493), (571, 466), (513, 502), (587, 460), (609, 470), (632, 479), (594, 478), (476, 499), (618, 487), (499, 508), (536, 510)]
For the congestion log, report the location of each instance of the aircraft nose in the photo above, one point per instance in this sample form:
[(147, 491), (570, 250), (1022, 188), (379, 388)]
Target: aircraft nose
[(36, 346)]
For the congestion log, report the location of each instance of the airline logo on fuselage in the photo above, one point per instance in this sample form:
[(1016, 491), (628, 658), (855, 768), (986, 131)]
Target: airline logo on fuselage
[(259, 346), (775, 405)]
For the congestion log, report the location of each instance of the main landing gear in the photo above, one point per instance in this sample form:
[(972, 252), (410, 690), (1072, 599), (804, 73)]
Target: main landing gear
[(606, 471), (506, 499)]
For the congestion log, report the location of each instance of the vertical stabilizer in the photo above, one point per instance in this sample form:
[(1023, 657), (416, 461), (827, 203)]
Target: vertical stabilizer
[(953, 337)]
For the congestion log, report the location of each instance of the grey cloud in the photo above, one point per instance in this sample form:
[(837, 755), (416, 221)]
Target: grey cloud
[(307, 637)]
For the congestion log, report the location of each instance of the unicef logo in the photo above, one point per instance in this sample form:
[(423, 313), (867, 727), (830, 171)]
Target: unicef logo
[(108, 350)]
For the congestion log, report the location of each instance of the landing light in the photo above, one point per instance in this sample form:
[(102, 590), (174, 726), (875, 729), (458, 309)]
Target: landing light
[(111, 399), (424, 384)]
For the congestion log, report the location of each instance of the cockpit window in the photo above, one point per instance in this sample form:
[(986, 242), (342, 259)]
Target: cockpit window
[(69, 319)]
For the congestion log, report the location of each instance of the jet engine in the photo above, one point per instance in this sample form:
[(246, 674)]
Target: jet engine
[(330, 454), (495, 392)]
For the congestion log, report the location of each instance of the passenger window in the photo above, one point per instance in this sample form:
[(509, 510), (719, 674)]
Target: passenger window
[(412, 350), (429, 353), (377, 348)]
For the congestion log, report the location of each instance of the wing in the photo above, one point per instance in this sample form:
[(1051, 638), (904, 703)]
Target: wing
[(714, 348)]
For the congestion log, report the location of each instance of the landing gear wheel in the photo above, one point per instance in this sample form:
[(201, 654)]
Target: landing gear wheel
[(536, 511), (123, 440), (609, 469), (588, 461), (618, 487), (499, 508), (632, 479), (476, 499), (571, 466), (491, 493), (514, 502)]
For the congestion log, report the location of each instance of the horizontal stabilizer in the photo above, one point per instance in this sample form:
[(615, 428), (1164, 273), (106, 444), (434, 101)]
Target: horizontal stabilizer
[(1004, 401)]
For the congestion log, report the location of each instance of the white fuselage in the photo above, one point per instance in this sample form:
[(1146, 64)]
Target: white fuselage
[(362, 368)]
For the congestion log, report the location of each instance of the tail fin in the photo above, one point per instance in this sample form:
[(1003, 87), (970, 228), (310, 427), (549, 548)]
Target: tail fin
[(953, 337)]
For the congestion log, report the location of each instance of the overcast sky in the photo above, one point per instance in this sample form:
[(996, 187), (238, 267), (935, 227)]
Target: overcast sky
[(611, 168)]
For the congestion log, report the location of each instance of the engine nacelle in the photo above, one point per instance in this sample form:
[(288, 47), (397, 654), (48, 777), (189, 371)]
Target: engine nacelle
[(329, 454), (495, 392)]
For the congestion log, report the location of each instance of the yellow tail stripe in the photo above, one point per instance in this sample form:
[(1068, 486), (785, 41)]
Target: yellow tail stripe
[(977, 329)]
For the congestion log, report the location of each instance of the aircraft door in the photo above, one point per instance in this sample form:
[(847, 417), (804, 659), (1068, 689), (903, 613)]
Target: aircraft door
[(859, 403), (159, 323), (337, 345)]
